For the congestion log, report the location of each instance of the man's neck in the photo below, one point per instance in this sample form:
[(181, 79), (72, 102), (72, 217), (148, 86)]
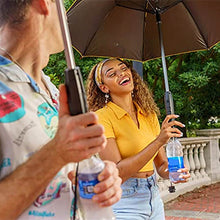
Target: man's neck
[(31, 57)]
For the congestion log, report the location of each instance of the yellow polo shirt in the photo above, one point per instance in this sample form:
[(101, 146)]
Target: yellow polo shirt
[(130, 139)]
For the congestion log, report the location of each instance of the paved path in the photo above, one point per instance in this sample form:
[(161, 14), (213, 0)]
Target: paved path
[(203, 204)]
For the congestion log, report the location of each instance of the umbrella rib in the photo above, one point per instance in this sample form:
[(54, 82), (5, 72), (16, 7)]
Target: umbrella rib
[(149, 11), (172, 5), (123, 6), (73, 5), (196, 26), (162, 10), (151, 7)]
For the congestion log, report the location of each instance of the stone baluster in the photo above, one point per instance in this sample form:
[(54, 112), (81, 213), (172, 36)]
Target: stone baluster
[(161, 184), (185, 156), (219, 151), (167, 183), (196, 160), (202, 160), (191, 162), (159, 181)]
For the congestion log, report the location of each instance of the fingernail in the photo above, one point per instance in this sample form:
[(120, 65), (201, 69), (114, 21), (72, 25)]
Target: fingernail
[(184, 125), (95, 198), (177, 116), (181, 134), (180, 176), (101, 178), (102, 204), (96, 189)]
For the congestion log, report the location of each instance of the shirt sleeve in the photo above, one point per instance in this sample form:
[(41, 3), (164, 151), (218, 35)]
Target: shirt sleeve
[(107, 124)]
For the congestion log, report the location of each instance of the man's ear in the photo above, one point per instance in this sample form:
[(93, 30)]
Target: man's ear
[(43, 6), (104, 88)]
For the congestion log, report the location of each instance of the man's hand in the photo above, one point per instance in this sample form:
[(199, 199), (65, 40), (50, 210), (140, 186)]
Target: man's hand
[(78, 137), (108, 190)]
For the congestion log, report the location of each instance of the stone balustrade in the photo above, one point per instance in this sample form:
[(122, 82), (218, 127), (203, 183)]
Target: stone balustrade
[(202, 157)]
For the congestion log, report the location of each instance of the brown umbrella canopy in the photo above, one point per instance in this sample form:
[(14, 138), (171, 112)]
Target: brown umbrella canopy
[(128, 28)]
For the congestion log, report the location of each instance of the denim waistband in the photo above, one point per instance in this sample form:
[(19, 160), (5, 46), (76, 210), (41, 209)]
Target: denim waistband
[(136, 182)]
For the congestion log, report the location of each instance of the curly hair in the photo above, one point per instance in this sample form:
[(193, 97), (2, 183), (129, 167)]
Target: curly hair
[(141, 93), (13, 11)]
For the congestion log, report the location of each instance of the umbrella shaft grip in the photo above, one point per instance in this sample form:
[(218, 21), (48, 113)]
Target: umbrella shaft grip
[(75, 91), (168, 100)]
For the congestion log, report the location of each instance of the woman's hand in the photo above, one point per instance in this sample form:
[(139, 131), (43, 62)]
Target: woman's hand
[(169, 130), (184, 176)]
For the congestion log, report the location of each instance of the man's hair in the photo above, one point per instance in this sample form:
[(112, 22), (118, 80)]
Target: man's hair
[(13, 11)]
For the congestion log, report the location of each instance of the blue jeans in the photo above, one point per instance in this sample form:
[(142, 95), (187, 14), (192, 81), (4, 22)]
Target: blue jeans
[(140, 200)]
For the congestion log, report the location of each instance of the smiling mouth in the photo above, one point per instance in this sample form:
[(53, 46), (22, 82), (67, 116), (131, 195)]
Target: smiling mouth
[(124, 81)]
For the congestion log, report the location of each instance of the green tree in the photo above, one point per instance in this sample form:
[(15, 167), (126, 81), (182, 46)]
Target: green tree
[(194, 80)]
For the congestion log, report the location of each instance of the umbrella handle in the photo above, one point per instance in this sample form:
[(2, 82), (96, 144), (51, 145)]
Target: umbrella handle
[(75, 91), (168, 100)]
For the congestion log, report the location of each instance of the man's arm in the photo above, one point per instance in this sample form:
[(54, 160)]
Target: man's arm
[(74, 141)]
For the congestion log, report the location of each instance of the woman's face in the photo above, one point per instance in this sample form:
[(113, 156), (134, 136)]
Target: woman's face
[(117, 77)]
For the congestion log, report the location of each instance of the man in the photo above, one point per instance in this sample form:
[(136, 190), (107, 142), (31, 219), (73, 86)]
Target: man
[(38, 145)]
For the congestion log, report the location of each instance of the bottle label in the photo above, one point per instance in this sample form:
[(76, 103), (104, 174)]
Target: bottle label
[(175, 163), (86, 184)]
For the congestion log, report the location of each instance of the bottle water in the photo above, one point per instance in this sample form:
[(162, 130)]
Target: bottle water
[(175, 159), (88, 172)]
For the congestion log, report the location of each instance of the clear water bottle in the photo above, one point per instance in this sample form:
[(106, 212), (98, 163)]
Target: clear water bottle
[(88, 172), (174, 151)]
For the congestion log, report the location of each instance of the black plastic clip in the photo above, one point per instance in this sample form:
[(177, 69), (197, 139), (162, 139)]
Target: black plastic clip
[(172, 188)]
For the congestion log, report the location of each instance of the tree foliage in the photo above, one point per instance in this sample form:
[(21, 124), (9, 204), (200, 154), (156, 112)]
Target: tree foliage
[(194, 81)]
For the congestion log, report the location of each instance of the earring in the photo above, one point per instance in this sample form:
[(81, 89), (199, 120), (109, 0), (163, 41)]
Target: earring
[(132, 94), (106, 98)]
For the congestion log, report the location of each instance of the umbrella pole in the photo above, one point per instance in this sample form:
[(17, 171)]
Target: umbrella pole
[(168, 98), (73, 78), (138, 66)]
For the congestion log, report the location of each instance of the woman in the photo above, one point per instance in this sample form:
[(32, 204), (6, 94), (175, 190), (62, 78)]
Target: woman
[(135, 141)]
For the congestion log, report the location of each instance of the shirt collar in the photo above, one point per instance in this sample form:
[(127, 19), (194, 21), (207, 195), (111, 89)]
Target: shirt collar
[(120, 112), (12, 71), (15, 74), (139, 109)]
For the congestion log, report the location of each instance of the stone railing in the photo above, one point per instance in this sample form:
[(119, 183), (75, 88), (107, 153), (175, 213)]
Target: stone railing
[(202, 157)]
